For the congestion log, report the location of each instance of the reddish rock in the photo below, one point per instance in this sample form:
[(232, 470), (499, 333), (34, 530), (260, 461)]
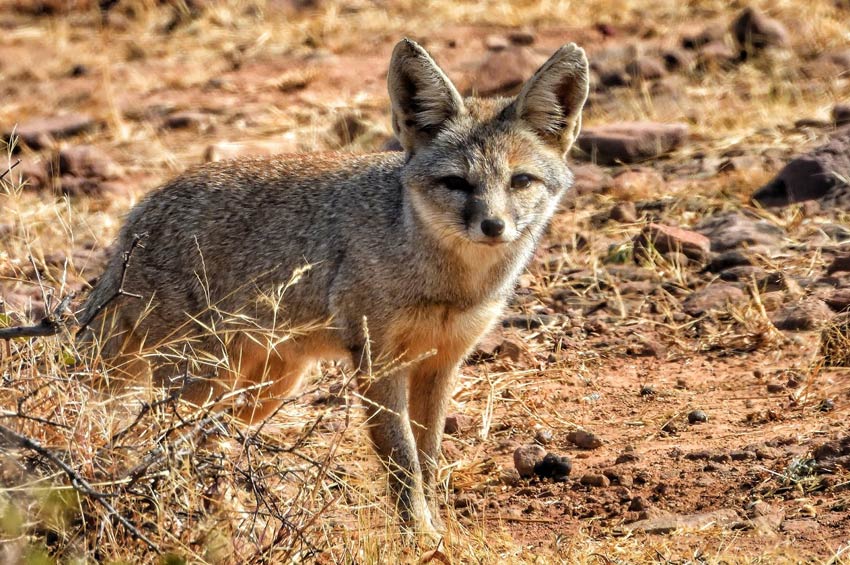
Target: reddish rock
[(526, 457), (713, 297), (624, 213), (40, 132), (457, 423), (502, 72), (631, 142), (589, 179), (665, 239), (646, 68), (753, 31), (713, 32), (716, 54), (88, 161), (584, 439)]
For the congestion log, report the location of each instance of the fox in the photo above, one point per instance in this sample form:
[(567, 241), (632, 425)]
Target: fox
[(398, 262)]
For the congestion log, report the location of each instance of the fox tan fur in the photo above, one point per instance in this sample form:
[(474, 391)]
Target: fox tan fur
[(398, 262)]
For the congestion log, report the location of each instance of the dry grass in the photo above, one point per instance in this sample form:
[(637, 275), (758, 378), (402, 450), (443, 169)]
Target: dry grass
[(304, 487)]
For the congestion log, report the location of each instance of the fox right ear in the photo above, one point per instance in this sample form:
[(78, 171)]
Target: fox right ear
[(552, 100), (422, 96)]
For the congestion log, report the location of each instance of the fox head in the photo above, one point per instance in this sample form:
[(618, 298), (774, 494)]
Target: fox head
[(486, 172)]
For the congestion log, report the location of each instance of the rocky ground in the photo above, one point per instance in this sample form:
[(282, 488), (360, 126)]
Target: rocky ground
[(670, 382)]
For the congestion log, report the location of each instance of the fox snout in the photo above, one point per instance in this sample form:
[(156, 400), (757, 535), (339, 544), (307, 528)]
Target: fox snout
[(484, 224)]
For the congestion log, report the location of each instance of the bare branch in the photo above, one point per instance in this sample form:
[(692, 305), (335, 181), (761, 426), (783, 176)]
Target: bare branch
[(51, 324), (13, 438), (9, 170)]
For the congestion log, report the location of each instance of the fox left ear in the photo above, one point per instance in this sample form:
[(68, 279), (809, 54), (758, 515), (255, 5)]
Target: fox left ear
[(551, 101)]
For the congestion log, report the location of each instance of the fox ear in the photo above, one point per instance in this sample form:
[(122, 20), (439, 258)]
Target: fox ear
[(551, 101), (423, 98)]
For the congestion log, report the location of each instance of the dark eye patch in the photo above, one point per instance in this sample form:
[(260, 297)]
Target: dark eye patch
[(457, 183), (521, 180)]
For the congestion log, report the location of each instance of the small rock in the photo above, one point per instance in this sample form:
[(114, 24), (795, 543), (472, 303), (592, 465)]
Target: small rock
[(665, 239), (595, 480), (754, 32), (742, 455), (631, 142), (697, 417), (800, 527), (502, 72), (716, 55), (456, 423), (87, 161), (522, 37), (526, 457), (555, 467), (775, 388), (826, 405), (584, 439), (840, 300), (729, 260), (806, 315), (624, 213), (677, 60), (544, 436), (638, 504), (627, 457), (646, 68), (841, 114), (40, 132), (187, 119), (711, 33), (840, 264), (713, 297)]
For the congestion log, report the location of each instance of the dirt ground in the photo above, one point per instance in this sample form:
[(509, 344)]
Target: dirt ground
[(718, 431)]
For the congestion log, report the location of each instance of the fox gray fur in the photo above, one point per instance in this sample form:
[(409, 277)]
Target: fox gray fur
[(423, 248)]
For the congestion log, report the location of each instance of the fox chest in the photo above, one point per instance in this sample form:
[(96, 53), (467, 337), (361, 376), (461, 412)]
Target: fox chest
[(447, 332)]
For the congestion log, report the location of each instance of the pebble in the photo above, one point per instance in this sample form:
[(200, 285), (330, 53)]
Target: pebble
[(697, 417)]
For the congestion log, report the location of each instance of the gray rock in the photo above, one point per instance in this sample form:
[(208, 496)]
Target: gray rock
[(713, 297), (805, 315), (732, 230), (819, 174)]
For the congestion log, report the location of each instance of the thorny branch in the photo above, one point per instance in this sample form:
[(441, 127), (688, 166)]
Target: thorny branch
[(12, 438)]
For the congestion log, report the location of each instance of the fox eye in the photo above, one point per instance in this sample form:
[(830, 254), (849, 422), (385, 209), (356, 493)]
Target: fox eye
[(457, 183), (521, 181)]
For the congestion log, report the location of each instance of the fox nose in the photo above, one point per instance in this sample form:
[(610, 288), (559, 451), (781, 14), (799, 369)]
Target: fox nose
[(492, 227)]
